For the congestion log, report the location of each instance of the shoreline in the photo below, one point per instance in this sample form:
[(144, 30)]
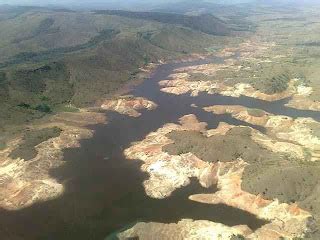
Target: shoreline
[(98, 157), (75, 127)]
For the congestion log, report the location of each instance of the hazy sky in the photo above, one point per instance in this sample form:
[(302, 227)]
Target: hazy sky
[(67, 2), (88, 3), (79, 2), (136, 3)]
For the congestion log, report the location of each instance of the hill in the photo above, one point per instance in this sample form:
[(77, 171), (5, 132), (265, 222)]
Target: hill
[(205, 23), (52, 58)]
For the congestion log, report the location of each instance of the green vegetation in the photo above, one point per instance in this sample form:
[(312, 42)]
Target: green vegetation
[(236, 143), (43, 107), (2, 77), (310, 44), (43, 27), (3, 145), (237, 237), (315, 127), (271, 174), (277, 84), (255, 112), (59, 52), (31, 139), (200, 77), (29, 93), (76, 58), (297, 44), (307, 154), (268, 77), (205, 23), (34, 90)]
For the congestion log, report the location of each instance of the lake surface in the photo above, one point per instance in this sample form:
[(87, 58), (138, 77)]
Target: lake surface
[(104, 191)]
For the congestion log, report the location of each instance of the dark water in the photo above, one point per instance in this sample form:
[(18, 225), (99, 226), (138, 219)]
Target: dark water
[(103, 190)]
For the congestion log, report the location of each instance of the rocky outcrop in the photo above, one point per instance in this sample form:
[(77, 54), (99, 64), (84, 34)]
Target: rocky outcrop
[(302, 131), (252, 50), (285, 220), (169, 172), (128, 105), (252, 116), (185, 229), (248, 91), (302, 101), (209, 69), (296, 139), (294, 136), (181, 81), (181, 85), (293, 151)]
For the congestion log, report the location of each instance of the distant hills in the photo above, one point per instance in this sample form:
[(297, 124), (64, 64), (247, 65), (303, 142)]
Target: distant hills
[(288, 2), (51, 58), (205, 23), (148, 5)]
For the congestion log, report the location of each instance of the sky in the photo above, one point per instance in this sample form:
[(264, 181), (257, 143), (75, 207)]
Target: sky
[(88, 2), (68, 2), (132, 3)]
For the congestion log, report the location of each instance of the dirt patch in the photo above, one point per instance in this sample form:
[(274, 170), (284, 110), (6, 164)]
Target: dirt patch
[(26, 150), (234, 144)]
